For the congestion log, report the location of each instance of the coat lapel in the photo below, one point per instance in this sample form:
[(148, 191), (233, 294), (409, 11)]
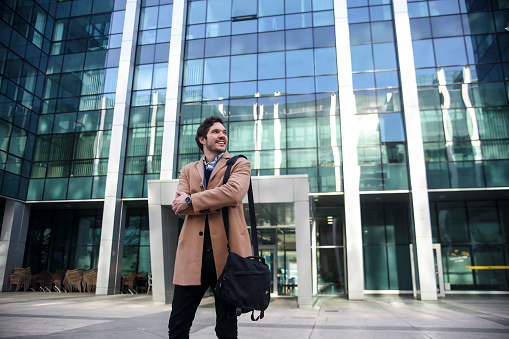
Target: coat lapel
[(220, 164), (200, 167)]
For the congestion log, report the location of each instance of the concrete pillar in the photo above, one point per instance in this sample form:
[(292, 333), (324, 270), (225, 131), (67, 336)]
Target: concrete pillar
[(351, 170), (173, 91), (305, 297), (13, 239), (110, 252), (423, 242), (163, 238)]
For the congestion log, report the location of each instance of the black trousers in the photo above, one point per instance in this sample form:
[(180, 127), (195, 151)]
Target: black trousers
[(186, 300)]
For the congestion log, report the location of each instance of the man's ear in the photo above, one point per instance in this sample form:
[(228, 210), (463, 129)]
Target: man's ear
[(202, 140)]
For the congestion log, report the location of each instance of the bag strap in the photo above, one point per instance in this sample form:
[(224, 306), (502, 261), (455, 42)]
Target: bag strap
[(252, 217)]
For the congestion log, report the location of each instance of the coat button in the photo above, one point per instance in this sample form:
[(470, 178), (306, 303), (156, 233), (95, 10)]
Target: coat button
[(201, 233)]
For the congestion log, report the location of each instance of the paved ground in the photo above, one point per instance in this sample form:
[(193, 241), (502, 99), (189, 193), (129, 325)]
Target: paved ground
[(85, 315)]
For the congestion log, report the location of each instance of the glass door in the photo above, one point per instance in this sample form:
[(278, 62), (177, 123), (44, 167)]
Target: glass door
[(268, 252), (439, 270)]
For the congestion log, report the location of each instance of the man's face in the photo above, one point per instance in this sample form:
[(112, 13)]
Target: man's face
[(216, 139)]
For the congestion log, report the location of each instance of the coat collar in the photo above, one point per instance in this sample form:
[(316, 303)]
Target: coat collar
[(220, 164)]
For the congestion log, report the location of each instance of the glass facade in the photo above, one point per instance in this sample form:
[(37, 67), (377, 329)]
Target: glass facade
[(272, 76), (144, 141), (63, 239), (461, 67), (273, 70)]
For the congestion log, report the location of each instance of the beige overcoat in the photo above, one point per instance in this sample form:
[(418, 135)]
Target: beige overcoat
[(209, 202)]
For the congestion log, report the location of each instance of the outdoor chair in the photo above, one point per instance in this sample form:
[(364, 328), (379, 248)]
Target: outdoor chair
[(72, 280), (20, 276), (89, 281)]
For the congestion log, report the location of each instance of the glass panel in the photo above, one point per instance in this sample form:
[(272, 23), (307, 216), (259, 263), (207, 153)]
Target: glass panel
[(243, 67), (399, 267), (376, 276), (216, 70), (452, 223), (330, 262), (483, 222), (497, 173)]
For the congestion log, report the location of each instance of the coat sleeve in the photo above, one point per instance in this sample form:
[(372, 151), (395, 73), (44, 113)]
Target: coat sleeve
[(229, 194), (185, 186)]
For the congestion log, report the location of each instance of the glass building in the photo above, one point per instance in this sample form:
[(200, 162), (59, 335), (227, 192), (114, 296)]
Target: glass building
[(396, 110)]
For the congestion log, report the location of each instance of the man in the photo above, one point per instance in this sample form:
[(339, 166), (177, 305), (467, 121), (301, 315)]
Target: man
[(202, 250)]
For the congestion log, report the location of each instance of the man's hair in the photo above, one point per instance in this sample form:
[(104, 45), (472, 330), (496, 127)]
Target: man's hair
[(204, 128)]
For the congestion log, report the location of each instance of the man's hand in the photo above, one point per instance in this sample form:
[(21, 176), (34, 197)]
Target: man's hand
[(179, 204)]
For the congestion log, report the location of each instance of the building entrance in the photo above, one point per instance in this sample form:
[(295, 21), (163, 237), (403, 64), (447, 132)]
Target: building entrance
[(439, 270)]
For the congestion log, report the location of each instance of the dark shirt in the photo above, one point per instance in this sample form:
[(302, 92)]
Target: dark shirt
[(207, 243)]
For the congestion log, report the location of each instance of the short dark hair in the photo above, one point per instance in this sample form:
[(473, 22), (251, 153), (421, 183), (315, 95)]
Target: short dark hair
[(204, 128)]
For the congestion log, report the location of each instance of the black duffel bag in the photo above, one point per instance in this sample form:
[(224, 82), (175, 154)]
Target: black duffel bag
[(244, 282)]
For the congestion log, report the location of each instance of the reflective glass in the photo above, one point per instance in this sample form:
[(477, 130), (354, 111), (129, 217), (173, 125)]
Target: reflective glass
[(274, 23), (305, 157), (217, 47), (243, 67), (358, 15), (271, 65), (298, 6), (299, 63), (195, 31), (437, 175), (383, 31), (450, 51), (268, 42), (395, 177), (270, 7), (242, 89), (418, 9), (327, 83), (299, 39), (216, 29), (324, 37), (300, 85), (360, 33), (302, 132), (423, 53), (443, 7), (379, 13), (142, 77), (495, 149), (385, 56), (366, 101), (325, 61), (215, 92), (497, 173), (193, 72), (244, 44), (371, 178), (218, 10), (165, 16), (323, 18), (369, 155), (387, 79), (391, 127), (363, 80), (216, 70), (271, 87), (369, 132), (362, 58), (196, 12), (420, 28), (466, 174), (330, 262), (444, 26), (301, 105), (244, 26), (147, 16)]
